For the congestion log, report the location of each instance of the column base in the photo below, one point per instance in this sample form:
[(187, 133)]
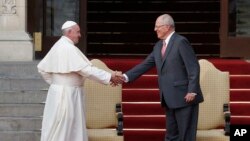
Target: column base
[(16, 46)]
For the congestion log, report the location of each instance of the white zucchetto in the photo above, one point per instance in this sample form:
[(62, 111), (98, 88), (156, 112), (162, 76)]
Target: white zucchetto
[(68, 24)]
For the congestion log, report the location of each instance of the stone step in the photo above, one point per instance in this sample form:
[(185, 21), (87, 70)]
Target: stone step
[(7, 84), (20, 123), (18, 97), (21, 110), (19, 69), (20, 135), (22, 96)]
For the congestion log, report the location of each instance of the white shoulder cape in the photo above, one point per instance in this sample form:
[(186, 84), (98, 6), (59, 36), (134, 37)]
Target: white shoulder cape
[(63, 57)]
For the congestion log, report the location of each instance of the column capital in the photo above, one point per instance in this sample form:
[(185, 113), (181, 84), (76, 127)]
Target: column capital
[(9, 6)]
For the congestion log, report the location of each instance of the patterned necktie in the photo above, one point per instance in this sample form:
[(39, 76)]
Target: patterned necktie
[(163, 49)]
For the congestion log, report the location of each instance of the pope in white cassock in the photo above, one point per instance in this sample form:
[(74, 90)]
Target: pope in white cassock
[(65, 68)]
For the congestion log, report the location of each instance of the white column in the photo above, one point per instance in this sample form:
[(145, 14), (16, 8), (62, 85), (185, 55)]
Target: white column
[(15, 42)]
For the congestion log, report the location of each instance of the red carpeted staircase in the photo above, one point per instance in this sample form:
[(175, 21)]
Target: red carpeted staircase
[(144, 119)]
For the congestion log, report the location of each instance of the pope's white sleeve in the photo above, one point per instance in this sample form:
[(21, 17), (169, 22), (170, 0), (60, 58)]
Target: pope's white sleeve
[(96, 74), (46, 76)]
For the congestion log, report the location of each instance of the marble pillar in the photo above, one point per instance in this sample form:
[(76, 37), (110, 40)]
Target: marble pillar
[(15, 42)]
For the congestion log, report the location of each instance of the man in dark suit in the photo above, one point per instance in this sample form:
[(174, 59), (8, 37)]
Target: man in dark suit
[(178, 78)]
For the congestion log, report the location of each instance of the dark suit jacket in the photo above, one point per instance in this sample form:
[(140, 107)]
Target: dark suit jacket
[(178, 72)]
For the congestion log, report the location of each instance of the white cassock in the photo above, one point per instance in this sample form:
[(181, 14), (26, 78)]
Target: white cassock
[(65, 68)]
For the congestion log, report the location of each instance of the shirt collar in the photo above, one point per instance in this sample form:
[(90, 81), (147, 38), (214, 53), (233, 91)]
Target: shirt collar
[(168, 38)]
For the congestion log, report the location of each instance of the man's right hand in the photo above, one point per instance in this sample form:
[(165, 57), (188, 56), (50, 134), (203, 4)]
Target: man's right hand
[(117, 78)]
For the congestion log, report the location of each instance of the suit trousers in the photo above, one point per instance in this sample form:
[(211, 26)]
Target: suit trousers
[(181, 123)]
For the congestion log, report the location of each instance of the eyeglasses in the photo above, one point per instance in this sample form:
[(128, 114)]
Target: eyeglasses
[(159, 26)]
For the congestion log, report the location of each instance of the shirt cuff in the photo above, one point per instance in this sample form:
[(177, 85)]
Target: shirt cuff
[(194, 94), (126, 78)]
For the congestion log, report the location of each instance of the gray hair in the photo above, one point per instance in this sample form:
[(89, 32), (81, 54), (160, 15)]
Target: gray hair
[(66, 30), (167, 19)]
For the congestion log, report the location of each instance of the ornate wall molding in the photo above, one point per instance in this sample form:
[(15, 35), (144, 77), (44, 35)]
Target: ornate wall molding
[(9, 6)]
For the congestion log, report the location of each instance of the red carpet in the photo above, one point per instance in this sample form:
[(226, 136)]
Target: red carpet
[(240, 120), (144, 119), (140, 95), (144, 134), (240, 95), (146, 81), (240, 109), (234, 66), (142, 108)]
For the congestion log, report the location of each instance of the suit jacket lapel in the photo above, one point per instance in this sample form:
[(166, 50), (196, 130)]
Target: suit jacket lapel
[(169, 47)]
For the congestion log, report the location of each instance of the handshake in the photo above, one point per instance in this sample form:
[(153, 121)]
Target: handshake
[(117, 78)]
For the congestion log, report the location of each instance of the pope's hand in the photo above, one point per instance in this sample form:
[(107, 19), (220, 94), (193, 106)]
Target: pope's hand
[(117, 78)]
